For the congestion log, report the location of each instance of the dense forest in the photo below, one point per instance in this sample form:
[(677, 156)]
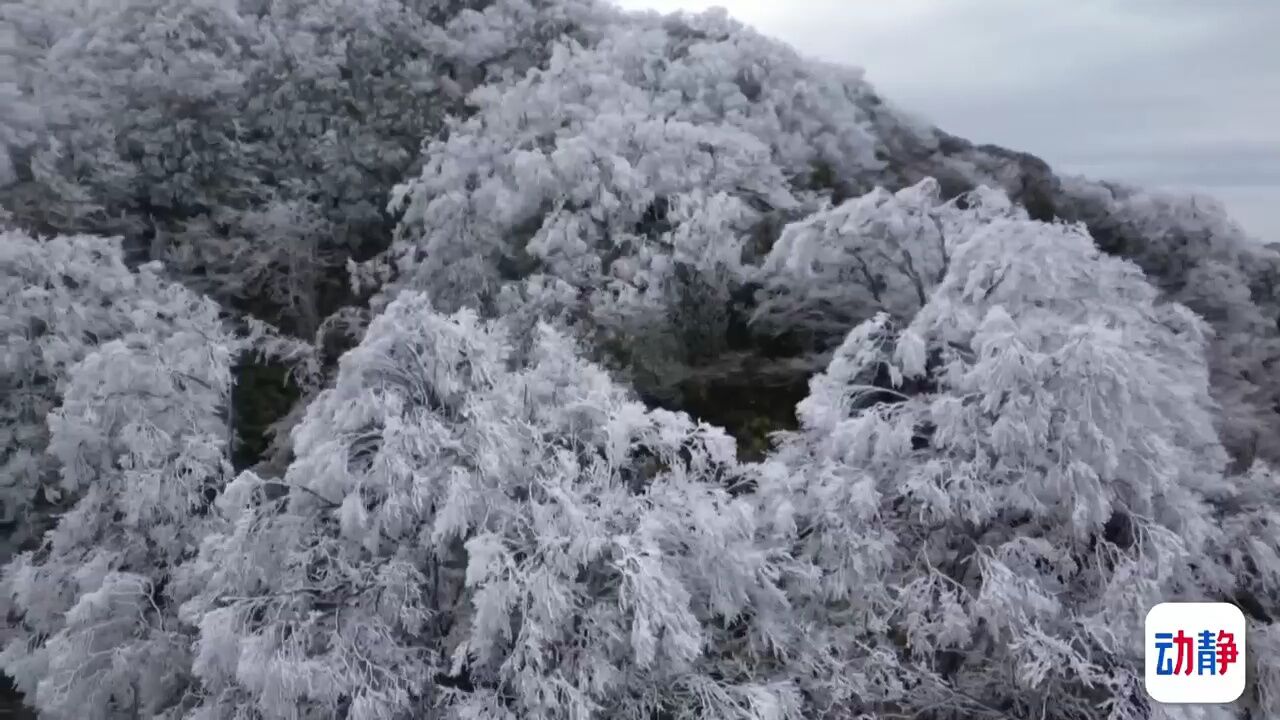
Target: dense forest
[(505, 359)]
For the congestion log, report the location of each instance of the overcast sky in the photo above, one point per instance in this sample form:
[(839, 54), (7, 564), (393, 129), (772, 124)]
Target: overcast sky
[(1174, 93)]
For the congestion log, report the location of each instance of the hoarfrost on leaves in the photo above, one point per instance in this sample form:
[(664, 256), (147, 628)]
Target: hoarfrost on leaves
[(140, 444), (1053, 478), (250, 145), (61, 298), (1021, 431), (881, 252), (456, 511), (639, 172)]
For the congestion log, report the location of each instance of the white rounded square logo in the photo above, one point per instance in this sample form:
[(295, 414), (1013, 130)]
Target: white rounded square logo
[(1195, 653)]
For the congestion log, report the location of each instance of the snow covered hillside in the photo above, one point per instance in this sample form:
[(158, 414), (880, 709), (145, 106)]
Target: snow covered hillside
[(506, 359)]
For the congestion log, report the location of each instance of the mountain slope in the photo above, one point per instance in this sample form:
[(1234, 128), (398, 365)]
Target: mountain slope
[(535, 265)]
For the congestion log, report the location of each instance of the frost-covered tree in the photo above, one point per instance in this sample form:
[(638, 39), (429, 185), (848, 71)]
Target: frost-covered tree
[(634, 183), (998, 489), (1250, 553), (249, 144), (62, 298), (470, 530), (1017, 449), (1243, 353), (574, 174), (152, 131), (816, 118), (140, 442), (882, 252), (1197, 254)]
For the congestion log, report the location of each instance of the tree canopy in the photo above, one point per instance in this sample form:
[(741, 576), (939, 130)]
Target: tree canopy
[(597, 365)]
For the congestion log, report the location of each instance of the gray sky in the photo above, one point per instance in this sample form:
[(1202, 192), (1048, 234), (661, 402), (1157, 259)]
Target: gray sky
[(1172, 93)]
